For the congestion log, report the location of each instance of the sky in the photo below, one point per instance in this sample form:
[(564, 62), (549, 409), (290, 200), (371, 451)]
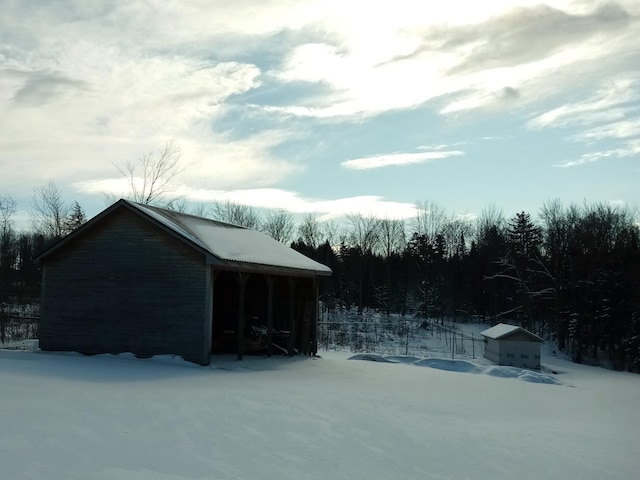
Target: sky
[(326, 107)]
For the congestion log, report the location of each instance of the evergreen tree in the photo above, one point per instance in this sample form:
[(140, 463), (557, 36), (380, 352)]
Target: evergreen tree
[(75, 218), (524, 237)]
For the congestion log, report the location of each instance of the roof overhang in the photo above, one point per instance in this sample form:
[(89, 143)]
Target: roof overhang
[(151, 215)]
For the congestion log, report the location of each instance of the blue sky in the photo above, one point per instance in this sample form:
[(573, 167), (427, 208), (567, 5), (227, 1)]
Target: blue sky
[(326, 107)]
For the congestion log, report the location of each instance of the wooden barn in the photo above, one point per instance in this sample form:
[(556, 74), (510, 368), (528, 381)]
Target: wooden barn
[(152, 281), (512, 345)]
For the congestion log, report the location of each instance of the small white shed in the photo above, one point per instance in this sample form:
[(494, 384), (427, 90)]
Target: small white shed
[(512, 345)]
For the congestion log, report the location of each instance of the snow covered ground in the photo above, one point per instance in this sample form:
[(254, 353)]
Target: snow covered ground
[(66, 416)]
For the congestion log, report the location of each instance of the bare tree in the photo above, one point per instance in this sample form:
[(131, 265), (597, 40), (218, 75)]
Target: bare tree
[(456, 230), (279, 225), (8, 243), (236, 213), (490, 218), (49, 211), (8, 209), (364, 231), (309, 230), (153, 176), (392, 240), (392, 237), (429, 220), (330, 232), (199, 210)]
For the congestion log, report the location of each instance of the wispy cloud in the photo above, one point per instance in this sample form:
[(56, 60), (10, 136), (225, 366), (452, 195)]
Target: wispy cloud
[(627, 149), (607, 121), (398, 159), (611, 102), (622, 129)]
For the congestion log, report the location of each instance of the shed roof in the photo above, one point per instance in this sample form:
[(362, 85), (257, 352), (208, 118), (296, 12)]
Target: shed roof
[(223, 244), (503, 330)]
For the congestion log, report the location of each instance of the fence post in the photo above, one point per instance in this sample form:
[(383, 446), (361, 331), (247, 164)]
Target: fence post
[(406, 345), (453, 345)]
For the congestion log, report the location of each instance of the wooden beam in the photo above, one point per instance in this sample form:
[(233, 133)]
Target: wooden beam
[(269, 280), (208, 316), (292, 317), (305, 320), (242, 283), (212, 275), (314, 318)]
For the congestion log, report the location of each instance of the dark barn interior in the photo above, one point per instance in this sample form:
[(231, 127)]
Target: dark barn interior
[(263, 314)]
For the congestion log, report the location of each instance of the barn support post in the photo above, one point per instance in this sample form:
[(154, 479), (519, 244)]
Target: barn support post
[(292, 317), (242, 283), (314, 318), (208, 316), (42, 322), (269, 280), (211, 286), (307, 319)]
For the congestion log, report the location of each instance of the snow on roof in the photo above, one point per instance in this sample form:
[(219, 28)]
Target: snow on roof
[(232, 243), (504, 329)]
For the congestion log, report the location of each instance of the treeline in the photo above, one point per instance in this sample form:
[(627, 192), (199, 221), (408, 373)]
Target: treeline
[(572, 275), (51, 219)]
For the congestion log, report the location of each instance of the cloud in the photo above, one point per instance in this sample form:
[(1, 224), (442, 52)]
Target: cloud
[(481, 99), (225, 162), (627, 149), (273, 198), (83, 85), (216, 163), (97, 105), (41, 87), (526, 34), (612, 100), (607, 121), (471, 60), (621, 129), (398, 159)]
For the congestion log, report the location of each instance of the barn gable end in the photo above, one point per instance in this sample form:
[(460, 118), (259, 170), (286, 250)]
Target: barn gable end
[(124, 286)]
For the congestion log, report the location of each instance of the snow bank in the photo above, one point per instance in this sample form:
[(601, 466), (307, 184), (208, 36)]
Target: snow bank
[(465, 366)]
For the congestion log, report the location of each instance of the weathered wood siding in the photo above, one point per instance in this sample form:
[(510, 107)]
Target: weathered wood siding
[(126, 286)]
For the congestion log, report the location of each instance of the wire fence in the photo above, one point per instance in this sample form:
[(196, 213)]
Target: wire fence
[(397, 336), (17, 328), (346, 331)]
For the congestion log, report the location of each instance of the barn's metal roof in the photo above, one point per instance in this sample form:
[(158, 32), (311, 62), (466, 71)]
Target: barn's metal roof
[(225, 245), (502, 330), (232, 243)]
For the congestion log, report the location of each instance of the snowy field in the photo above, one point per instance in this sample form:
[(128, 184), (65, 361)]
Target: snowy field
[(66, 416)]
